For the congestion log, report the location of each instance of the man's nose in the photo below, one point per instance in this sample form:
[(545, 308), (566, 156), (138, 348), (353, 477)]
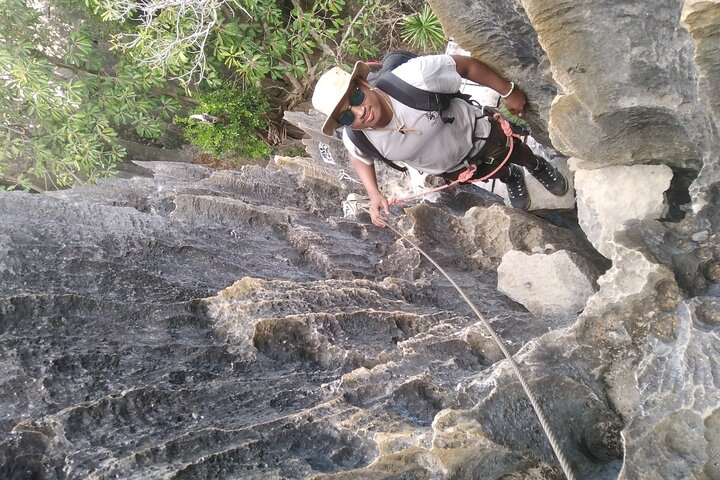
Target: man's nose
[(358, 111)]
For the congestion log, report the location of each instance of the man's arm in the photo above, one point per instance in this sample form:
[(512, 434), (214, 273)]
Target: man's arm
[(377, 200), (476, 71)]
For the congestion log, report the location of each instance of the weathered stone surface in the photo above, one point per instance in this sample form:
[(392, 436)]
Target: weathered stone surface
[(608, 197), (218, 323), (630, 93), (546, 284), (700, 19), (494, 231), (636, 86)]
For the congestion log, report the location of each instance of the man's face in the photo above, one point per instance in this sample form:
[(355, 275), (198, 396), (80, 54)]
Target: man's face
[(362, 108)]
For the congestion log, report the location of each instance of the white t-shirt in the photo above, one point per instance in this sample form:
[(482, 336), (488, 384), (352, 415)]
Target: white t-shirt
[(436, 147)]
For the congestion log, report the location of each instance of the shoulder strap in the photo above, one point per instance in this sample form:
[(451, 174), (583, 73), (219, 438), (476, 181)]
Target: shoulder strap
[(415, 97), (411, 96), (361, 141)]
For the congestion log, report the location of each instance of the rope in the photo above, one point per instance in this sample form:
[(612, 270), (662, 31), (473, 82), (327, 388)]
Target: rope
[(533, 400), (343, 175), (466, 175)]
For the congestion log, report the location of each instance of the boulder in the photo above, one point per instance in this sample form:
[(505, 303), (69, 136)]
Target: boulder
[(546, 284), (608, 197)]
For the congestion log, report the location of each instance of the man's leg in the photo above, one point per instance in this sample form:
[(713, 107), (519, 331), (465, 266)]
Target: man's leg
[(512, 175), (553, 181), (514, 179), (548, 176)]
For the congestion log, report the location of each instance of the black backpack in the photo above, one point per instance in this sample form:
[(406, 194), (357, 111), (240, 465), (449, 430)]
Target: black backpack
[(405, 93)]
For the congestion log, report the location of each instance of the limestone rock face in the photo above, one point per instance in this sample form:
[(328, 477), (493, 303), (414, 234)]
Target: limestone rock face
[(620, 93), (206, 323), (494, 231), (607, 197), (635, 88), (545, 284)]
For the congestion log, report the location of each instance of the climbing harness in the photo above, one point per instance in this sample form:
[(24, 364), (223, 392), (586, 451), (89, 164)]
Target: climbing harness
[(562, 459), (466, 175)]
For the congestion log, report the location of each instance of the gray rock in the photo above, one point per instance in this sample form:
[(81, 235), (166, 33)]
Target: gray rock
[(545, 284), (494, 231), (608, 197), (206, 323)]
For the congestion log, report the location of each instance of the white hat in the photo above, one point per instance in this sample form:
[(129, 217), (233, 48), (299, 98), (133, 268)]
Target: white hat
[(331, 89)]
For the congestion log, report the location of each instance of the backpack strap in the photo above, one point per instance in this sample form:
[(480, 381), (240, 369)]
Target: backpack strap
[(418, 98), (360, 140), (412, 96)]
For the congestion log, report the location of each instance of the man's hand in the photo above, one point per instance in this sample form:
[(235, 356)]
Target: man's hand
[(377, 203), (515, 102)]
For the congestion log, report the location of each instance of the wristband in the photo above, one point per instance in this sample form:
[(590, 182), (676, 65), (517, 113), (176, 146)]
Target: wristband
[(512, 88)]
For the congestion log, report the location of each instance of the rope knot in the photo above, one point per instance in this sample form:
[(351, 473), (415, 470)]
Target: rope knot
[(467, 174), (507, 129)]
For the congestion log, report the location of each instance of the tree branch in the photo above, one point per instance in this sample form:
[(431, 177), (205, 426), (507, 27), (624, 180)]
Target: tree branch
[(318, 39), (348, 30), (15, 181)]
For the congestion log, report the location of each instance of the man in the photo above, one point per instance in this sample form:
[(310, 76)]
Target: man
[(437, 143)]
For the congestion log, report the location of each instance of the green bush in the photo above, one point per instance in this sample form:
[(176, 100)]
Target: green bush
[(241, 121)]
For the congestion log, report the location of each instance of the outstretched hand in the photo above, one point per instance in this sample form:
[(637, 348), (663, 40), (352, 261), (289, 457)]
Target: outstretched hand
[(379, 210)]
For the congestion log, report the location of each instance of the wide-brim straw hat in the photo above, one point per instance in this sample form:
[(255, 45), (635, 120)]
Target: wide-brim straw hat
[(331, 88)]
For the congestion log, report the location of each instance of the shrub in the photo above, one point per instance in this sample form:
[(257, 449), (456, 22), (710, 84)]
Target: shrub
[(241, 119)]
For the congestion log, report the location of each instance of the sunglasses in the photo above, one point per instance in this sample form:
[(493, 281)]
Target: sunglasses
[(356, 99)]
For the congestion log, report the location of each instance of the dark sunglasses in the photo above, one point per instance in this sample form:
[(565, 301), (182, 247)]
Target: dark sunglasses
[(356, 99)]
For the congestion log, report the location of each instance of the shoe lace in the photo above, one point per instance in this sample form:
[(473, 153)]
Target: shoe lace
[(514, 187), (545, 173)]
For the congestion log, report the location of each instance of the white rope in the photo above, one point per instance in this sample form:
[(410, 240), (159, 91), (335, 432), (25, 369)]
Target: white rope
[(343, 175), (533, 400)]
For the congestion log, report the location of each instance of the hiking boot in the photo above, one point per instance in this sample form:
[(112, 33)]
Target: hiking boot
[(551, 179), (516, 189)]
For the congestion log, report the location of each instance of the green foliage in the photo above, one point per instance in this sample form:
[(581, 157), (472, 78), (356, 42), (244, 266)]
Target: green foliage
[(63, 103), (295, 151), (246, 41), (423, 31), (518, 121), (241, 119)]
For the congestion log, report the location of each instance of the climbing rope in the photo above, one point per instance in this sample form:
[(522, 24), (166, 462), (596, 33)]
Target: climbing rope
[(533, 400), (343, 175), (466, 175)]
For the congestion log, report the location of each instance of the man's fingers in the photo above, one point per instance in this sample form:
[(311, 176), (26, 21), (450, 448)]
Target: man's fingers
[(376, 217), (379, 210)]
